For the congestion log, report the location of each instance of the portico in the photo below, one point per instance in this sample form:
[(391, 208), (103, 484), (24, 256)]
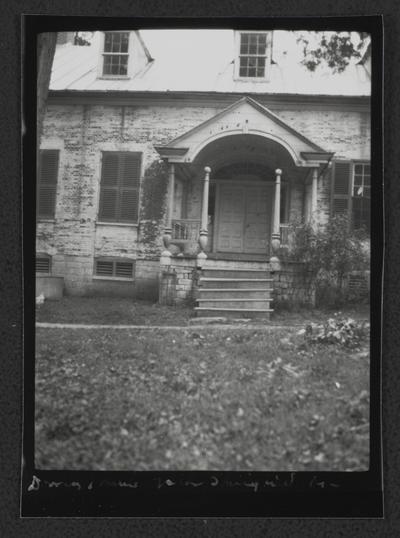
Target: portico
[(234, 183)]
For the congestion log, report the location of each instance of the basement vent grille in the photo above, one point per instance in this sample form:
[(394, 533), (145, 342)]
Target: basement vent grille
[(113, 268), (104, 268), (43, 265), (124, 269)]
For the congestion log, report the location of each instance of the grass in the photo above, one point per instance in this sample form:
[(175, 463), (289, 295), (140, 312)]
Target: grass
[(111, 310), (189, 399)]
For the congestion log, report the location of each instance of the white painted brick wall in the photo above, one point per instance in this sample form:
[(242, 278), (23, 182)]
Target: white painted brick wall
[(82, 132)]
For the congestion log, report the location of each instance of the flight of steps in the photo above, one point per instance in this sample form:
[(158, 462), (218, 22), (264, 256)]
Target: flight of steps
[(240, 292)]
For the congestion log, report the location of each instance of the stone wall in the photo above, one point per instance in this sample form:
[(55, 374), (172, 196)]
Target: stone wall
[(178, 281), (292, 286)]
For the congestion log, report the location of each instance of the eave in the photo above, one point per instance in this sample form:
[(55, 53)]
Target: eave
[(273, 101)]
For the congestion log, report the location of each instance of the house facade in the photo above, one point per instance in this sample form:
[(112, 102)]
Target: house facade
[(172, 174)]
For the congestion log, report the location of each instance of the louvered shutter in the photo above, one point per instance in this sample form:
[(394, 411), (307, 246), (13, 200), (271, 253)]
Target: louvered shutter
[(130, 181), (341, 188), (109, 187), (120, 180), (47, 183)]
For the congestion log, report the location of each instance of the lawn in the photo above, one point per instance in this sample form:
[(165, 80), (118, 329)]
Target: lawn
[(113, 311), (209, 399)]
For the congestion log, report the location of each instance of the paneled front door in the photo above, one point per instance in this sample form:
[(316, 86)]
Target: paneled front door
[(243, 217)]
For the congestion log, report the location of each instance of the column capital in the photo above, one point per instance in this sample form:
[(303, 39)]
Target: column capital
[(207, 170), (278, 172)]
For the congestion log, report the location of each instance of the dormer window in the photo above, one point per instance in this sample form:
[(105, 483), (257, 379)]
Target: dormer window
[(116, 54), (253, 50)]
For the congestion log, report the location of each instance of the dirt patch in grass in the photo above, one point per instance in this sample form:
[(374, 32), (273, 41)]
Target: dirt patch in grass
[(199, 400)]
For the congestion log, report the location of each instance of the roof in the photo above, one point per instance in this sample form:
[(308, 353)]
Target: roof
[(203, 61)]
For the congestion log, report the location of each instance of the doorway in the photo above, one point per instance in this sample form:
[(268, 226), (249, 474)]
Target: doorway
[(243, 217)]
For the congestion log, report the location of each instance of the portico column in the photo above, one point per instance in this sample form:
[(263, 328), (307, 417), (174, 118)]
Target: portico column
[(166, 254), (276, 232), (314, 186), (203, 238)]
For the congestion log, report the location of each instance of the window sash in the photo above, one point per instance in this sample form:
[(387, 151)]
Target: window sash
[(252, 66), (115, 64), (116, 53), (116, 42), (362, 180), (252, 55)]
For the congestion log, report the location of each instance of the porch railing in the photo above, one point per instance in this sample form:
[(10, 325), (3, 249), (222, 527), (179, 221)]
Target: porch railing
[(185, 230), (188, 230)]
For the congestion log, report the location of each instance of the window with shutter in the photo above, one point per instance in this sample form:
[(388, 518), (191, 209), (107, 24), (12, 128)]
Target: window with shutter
[(47, 183), (120, 269), (119, 188), (351, 187)]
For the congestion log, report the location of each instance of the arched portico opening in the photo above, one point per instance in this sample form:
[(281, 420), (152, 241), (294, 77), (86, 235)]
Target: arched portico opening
[(243, 193)]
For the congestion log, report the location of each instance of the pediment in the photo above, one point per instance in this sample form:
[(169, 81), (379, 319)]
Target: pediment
[(244, 116)]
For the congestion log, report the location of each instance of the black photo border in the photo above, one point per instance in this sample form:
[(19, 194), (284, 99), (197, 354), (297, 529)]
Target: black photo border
[(200, 494)]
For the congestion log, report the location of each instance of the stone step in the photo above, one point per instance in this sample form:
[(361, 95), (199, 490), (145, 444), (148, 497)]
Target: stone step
[(237, 283), (236, 264), (235, 273), (261, 313), (234, 293), (241, 291), (247, 304)]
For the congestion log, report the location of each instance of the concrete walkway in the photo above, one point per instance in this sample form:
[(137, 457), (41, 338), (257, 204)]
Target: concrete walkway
[(249, 326)]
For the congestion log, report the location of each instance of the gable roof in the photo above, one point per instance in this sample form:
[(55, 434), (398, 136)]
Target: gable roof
[(203, 61)]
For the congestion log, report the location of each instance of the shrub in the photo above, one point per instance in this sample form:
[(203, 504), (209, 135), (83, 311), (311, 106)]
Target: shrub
[(330, 253)]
